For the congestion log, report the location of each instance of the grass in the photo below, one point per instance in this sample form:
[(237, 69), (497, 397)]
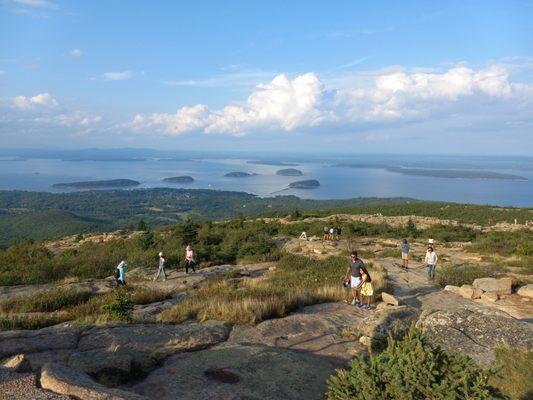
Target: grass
[(8, 323), (463, 275), (298, 281), (48, 301), (516, 376), (389, 252)]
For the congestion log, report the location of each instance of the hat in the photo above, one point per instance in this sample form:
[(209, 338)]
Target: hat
[(160, 254)]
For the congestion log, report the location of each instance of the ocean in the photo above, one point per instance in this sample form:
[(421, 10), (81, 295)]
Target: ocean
[(370, 177)]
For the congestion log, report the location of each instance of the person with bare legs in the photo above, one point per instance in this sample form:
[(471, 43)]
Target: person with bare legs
[(354, 274), (190, 262), (367, 291)]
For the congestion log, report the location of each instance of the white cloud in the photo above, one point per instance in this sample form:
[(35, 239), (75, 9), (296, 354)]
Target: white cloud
[(35, 3), (78, 118), (39, 100), (75, 53), (118, 76), (372, 98)]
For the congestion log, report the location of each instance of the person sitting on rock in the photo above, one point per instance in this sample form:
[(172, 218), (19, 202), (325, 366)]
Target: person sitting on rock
[(121, 273), (325, 233), (367, 291), (354, 264), (190, 262)]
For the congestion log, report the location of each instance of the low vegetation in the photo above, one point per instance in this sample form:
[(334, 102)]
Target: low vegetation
[(515, 378), (464, 274), (297, 281), (411, 368), (48, 301)]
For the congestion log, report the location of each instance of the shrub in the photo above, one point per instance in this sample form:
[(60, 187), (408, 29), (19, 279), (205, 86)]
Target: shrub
[(515, 379), (410, 368), (463, 275), (120, 308)]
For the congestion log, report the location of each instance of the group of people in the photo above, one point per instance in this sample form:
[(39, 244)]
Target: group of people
[(331, 233), (190, 263), (358, 278), (430, 259)]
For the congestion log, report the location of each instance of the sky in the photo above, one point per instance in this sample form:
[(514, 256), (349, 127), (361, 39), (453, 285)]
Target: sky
[(413, 77)]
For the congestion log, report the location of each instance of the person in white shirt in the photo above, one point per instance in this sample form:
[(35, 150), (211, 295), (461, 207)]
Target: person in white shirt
[(431, 262)]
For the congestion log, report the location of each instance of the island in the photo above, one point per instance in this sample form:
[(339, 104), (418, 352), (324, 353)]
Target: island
[(111, 183), (289, 172), (455, 173), (239, 174), (308, 184), (271, 162), (179, 179)]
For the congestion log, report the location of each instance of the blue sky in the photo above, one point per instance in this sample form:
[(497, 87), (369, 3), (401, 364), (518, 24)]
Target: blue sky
[(383, 76)]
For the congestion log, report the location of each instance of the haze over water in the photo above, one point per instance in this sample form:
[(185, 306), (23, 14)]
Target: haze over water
[(336, 182)]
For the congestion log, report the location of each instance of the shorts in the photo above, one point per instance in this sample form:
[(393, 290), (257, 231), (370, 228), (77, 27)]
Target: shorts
[(355, 281), (405, 256), (367, 289)]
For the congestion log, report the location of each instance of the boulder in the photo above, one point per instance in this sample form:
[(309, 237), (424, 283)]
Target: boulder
[(489, 297), (493, 285), (390, 299), (365, 341), (476, 333), (465, 291), (236, 372), (452, 289), (18, 363), (64, 380), (526, 291)]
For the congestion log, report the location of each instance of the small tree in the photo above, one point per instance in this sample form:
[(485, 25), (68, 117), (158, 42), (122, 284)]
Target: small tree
[(141, 226), (188, 232), (411, 368)]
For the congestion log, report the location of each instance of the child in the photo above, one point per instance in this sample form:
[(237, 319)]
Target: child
[(161, 268), (431, 262), (367, 291), (406, 248), (121, 273)]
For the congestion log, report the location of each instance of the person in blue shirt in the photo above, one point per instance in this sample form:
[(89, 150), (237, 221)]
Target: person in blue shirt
[(406, 249), (121, 273)]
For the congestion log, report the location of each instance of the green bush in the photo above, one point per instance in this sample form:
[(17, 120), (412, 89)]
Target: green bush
[(49, 301), (463, 275), (120, 308), (411, 368)]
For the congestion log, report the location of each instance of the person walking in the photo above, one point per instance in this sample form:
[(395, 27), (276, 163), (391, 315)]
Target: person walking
[(367, 291), (354, 274), (406, 249), (431, 262), (161, 269), (121, 273), (190, 262)]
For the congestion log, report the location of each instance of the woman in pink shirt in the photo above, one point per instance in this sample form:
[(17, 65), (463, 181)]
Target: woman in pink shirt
[(189, 259)]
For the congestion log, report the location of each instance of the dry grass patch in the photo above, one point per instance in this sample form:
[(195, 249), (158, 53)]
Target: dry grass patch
[(49, 301), (516, 376), (298, 281)]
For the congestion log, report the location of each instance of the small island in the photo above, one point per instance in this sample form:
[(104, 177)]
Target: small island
[(111, 183), (455, 174), (289, 172), (308, 184), (238, 174), (179, 179)]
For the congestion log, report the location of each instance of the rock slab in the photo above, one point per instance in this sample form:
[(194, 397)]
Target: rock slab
[(493, 285)]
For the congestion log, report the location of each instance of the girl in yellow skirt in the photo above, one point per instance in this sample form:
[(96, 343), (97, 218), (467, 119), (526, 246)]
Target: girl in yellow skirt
[(366, 287)]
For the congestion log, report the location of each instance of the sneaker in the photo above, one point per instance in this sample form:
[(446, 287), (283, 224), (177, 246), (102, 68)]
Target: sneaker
[(353, 303), (360, 305)]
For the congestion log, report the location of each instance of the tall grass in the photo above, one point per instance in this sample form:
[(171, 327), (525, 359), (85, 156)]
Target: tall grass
[(515, 379), (464, 274), (298, 281), (48, 301)]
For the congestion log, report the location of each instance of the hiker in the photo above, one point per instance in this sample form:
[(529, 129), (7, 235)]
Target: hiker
[(431, 262), (355, 276), (367, 291), (120, 275), (406, 248), (162, 261), (325, 233), (331, 233), (339, 231), (189, 259)]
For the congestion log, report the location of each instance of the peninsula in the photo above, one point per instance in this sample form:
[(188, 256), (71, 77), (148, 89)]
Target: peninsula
[(111, 183)]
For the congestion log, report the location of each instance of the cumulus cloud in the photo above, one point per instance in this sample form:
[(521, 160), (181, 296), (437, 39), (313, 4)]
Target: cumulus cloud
[(379, 98), (40, 100), (75, 53), (78, 118), (118, 75)]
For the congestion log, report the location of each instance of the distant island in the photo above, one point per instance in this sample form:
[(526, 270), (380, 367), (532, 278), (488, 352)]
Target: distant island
[(438, 173), (277, 163), (111, 183), (179, 179), (455, 173), (289, 172), (238, 174), (308, 184)]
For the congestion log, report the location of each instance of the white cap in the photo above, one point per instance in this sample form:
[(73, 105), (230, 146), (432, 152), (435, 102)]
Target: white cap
[(430, 241), (160, 254)]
